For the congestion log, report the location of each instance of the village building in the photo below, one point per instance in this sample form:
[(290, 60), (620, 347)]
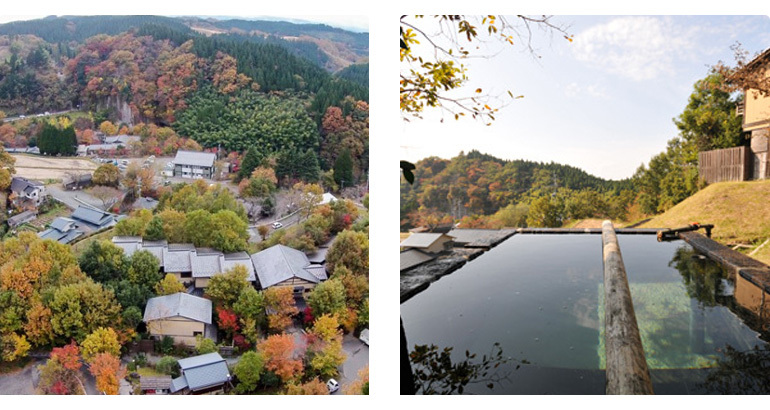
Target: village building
[(428, 242), (195, 165), (190, 265), (22, 218), (93, 219), (180, 316), (110, 145), (84, 220), (62, 230), (27, 193), (751, 162), (205, 374), (155, 384), (77, 182), (281, 266)]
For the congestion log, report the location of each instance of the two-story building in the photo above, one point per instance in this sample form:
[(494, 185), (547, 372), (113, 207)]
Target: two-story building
[(195, 165), (26, 192), (756, 117)]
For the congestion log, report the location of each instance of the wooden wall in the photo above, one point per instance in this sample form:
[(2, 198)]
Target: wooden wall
[(729, 164)]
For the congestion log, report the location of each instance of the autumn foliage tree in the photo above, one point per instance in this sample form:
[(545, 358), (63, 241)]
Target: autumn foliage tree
[(102, 340), (168, 285), (314, 386), (61, 373), (107, 370), (281, 306), (278, 351), (227, 321)]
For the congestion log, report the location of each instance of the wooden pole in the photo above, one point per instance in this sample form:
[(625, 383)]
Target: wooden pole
[(627, 371)]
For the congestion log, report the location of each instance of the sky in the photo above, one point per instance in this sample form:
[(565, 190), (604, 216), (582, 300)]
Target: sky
[(603, 102), (352, 23)]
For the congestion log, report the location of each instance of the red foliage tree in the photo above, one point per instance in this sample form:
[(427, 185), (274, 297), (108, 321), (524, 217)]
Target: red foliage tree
[(228, 321), (68, 356), (307, 315)]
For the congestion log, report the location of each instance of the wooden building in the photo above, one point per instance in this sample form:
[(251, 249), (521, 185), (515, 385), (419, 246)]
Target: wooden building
[(180, 316), (751, 162)]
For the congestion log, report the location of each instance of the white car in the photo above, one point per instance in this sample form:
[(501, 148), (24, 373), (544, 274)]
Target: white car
[(277, 225), (332, 385)]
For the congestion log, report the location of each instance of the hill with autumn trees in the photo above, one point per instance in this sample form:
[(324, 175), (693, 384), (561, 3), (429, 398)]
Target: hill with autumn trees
[(483, 191), (246, 84)]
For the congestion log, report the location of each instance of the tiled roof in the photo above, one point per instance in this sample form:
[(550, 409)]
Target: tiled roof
[(180, 383), (421, 240), (155, 382), (19, 184), (178, 304), (176, 260), (201, 372), (21, 218), (121, 139), (59, 236), (414, 257), (93, 216), (199, 159), (279, 263)]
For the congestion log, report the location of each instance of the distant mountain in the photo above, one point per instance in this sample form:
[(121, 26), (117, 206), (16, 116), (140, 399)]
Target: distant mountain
[(325, 46), (78, 28), (329, 47)]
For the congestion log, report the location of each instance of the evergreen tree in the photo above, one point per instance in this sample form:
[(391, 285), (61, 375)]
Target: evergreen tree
[(250, 162), (343, 170), (154, 230)]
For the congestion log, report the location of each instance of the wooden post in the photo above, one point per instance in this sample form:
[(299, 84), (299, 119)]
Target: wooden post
[(627, 371)]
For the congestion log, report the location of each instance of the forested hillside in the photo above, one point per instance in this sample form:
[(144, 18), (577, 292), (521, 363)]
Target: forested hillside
[(224, 91), (484, 191)]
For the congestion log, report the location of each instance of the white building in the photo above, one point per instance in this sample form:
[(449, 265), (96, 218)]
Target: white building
[(196, 165)]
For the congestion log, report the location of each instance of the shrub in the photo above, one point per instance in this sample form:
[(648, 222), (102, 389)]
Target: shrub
[(167, 345), (168, 365)]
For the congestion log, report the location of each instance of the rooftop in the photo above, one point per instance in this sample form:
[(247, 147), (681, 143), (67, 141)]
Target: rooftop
[(202, 372), (200, 159), (178, 304), (279, 263), (422, 240)]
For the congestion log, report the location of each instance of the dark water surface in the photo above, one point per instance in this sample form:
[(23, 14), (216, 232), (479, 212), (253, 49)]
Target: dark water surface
[(541, 298)]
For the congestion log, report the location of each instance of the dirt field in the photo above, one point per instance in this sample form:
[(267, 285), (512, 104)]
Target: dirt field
[(42, 168)]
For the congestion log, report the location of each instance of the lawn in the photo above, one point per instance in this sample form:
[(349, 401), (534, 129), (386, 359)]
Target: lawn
[(80, 247)]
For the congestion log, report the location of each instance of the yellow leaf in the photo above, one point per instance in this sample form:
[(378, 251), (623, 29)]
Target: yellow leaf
[(478, 90)]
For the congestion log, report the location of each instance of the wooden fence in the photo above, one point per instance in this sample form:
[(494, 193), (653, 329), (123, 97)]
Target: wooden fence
[(729, 164)]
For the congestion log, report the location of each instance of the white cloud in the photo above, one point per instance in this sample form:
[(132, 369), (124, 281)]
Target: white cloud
[(638, 48), (574, 90)]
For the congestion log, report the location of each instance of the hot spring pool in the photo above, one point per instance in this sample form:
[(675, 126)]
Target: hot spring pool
[(540, 297)]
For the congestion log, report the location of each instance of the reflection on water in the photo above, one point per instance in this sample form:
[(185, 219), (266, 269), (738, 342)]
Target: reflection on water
[(702, 277), (435, 372), (740, 372), (541, 297)]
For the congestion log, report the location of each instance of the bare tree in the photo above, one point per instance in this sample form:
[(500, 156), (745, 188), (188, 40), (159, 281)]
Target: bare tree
[(108, 196)]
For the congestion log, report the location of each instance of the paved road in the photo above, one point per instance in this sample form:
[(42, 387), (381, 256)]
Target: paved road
[(72, 199), (22, 381), (11, 119), (25, 380), (358, 358)]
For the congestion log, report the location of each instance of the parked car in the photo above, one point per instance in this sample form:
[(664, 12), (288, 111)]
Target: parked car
[(332, 385), (277, 225)]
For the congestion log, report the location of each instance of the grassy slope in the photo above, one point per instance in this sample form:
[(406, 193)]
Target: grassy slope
[(740, 212)]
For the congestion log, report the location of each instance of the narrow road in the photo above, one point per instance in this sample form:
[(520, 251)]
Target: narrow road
[(73, 199)]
